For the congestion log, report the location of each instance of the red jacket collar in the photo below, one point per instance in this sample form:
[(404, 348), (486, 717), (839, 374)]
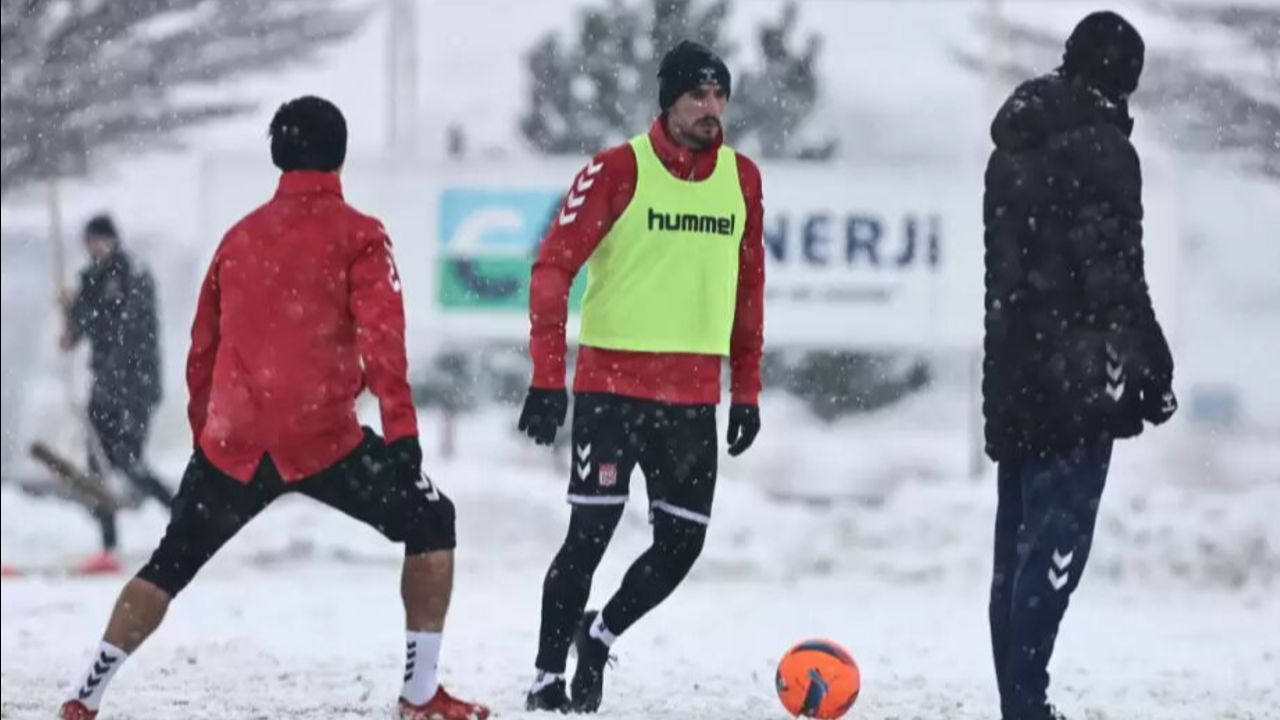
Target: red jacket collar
[(306, 182), (679, 160)]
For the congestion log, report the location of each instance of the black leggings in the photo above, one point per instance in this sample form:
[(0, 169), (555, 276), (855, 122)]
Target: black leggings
[(677, 542)]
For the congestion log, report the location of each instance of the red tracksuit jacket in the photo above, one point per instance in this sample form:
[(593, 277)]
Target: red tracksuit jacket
[(675, 378), (301, 309)]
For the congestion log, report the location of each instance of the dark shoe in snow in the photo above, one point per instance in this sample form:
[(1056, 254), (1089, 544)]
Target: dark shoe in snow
[(551, 696), (587, 687)]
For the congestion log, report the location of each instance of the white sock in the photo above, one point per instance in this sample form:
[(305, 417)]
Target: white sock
[(601, 633), (543, 679), (422, 658), (106, 661)]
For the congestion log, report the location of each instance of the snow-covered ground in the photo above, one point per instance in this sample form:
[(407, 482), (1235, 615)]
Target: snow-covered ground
[(869, 531), (299, 615), (306, 637)]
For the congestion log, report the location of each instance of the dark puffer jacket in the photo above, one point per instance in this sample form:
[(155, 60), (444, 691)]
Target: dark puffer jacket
[(116, 310), (1074, 353)]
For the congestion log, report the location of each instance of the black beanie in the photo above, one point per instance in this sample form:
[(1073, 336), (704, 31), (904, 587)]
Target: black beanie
[(102, 226), (308, 133), (1107, 52), (687, 66)]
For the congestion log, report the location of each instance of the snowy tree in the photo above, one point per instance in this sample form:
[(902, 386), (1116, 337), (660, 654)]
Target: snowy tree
[(84, 76), (603, 88), (782, 94), (1198, 109)]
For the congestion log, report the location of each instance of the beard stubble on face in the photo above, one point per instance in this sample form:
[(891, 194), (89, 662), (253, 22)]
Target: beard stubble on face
[(702, 133)]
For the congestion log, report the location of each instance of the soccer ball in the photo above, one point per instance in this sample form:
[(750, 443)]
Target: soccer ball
[(818, 679)]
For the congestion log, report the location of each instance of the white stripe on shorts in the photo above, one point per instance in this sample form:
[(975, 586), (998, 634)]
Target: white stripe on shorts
[(681, 513), (597, 499)]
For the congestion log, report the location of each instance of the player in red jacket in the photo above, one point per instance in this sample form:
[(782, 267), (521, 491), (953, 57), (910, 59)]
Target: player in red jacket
[(670, 225), (300, 310)]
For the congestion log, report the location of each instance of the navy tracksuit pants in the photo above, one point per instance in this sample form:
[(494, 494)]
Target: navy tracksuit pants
[(1044, 529)]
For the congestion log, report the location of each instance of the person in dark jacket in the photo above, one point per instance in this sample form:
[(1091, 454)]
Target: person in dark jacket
[(1074, 356), (115, 309)]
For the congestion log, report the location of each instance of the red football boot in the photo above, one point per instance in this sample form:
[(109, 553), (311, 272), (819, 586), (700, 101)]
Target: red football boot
[(443, 707), (104, 563), (76, 710)]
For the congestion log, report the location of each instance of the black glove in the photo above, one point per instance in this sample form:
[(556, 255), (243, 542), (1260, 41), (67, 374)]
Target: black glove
[(405, 456), (544, 412), (1158, 405), (744, 425)]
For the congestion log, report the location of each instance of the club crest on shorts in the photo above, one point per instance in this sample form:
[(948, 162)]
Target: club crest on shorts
[(607, 474)]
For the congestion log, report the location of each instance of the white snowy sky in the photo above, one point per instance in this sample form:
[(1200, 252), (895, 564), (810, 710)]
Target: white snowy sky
[(892, 89)]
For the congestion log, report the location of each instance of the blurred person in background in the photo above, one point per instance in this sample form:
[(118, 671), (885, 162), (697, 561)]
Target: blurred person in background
[(1074, 355), (115, 308), (670, 228), (301, 309)]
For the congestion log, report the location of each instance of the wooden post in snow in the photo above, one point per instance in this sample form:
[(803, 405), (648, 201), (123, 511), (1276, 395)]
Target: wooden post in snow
[(58, 255)]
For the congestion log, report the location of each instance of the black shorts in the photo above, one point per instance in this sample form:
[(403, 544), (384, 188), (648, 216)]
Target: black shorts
[(211, 507), (675, 446)]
